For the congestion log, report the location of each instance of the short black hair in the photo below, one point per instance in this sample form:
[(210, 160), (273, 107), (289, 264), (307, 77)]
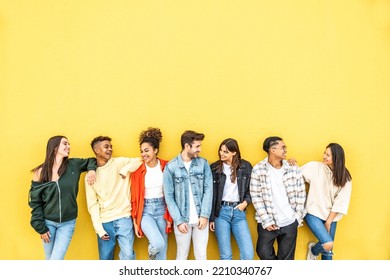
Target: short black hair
[(270, 141), (99, 139)]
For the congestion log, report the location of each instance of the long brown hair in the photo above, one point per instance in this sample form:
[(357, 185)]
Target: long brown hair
[(341, 174), (232, 146), (47, 166)]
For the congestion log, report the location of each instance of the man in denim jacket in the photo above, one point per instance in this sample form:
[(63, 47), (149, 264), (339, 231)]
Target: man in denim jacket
[(188, 190)]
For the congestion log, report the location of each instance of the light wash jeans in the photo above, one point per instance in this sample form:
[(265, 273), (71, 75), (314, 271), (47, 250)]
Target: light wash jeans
[(317, 227), (153, 226), (200, 238), (121, 230), (233, 220), (61, 235)]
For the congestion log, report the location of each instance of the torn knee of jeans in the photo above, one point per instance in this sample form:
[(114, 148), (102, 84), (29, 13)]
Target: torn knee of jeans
[(328, 247)]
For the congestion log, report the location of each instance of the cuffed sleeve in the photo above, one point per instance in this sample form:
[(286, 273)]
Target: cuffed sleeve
[(36, 203), (207, 192), (94, 209), (169, 193), (300, 210), (258, 202), (341, 201)]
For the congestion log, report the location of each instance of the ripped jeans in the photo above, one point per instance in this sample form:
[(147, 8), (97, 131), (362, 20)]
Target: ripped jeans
[(317, 227)]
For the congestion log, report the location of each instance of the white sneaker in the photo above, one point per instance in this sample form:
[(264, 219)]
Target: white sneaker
[(310, 255)]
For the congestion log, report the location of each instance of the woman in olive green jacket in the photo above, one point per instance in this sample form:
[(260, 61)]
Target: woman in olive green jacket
[(53, 196)]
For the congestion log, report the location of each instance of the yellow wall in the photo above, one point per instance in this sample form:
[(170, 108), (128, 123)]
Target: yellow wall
[(312, 72)]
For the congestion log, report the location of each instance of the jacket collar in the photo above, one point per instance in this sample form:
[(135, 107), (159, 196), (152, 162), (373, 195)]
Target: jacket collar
[(194, 161)]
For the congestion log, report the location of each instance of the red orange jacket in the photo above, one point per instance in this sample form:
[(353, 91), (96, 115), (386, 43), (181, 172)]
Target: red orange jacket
[(138, 194)]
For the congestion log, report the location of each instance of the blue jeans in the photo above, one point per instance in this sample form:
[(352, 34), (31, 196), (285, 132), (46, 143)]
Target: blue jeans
[(61, 235), (153, 226), (317, 227), (286, 238), (121, 230), (233, 220)]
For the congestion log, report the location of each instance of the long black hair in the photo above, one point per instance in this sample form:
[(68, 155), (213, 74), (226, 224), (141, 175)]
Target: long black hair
[(341, 174)]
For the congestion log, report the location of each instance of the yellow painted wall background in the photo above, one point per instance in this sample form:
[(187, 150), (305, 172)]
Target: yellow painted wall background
[(312, 72)]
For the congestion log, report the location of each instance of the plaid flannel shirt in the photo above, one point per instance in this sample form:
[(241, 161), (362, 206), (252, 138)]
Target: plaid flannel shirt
[(261, 192)]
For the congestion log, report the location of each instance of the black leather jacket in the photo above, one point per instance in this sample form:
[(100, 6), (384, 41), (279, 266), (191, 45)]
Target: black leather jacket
[(219, 178)]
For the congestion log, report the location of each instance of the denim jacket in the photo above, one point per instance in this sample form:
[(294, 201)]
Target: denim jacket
[(176, 191)]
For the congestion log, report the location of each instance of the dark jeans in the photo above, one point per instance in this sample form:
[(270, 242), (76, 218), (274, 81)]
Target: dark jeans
[(286, 238)]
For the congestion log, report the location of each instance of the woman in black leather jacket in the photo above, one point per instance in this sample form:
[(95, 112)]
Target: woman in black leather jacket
[(231, 179)]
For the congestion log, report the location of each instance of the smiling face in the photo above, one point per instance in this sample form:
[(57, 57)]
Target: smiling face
[(327, 157), (225, 155), (148, 153), (103, 151), (193, 150), (279, 150), (64, 148)]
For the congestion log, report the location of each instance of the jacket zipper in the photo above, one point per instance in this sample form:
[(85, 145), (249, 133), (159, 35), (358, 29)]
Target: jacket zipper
[(59, 201)]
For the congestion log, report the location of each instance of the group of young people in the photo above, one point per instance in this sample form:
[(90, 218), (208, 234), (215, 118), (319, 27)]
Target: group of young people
[(152, 197)]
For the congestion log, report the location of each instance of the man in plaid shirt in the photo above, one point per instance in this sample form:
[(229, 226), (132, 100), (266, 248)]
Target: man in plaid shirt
[(278, 195)]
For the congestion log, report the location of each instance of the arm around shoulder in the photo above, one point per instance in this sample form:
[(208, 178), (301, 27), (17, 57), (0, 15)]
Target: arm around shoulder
[(131, 165)]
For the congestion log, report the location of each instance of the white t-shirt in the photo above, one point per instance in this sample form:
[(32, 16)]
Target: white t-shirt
[(230, 190), (193, 218), (285, 214), (154, 181)]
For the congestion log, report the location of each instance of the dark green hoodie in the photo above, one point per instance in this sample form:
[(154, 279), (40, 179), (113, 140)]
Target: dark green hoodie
[(57, 200)]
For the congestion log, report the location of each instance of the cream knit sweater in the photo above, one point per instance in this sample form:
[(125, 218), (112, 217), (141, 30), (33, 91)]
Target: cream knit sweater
[(109, 198), (323, 196)]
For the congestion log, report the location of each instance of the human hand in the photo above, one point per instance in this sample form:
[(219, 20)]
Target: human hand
[(272, 227), (327, 226), (183, 228), (202, 222), (91, 177), (292, 161), (46, 237), (212, 226), (241, 206), (105, 237), (136, 230)]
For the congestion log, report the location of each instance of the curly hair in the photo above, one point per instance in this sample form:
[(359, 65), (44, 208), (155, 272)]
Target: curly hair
[(151, 135)]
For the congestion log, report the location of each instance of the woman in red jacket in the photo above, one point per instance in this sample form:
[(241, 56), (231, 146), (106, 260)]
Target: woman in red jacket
[(148, 208)]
